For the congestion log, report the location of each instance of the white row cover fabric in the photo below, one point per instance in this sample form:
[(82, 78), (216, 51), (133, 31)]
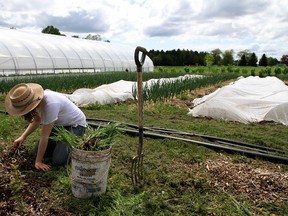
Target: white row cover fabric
[(31, 53), (247, 100), (119, 91), (105, 94)]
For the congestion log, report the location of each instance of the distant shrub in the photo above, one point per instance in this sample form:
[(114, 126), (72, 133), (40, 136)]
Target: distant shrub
[(173, 70), (194, 71), (215, 70), (277, 71), (262, 73), (159, 69), (253, 72), (201, 70), (236, 70), (186, 69), (268, 71), (244, 71), (230, 69)]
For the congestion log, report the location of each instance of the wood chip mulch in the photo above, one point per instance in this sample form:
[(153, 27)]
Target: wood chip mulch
[(269, 183)]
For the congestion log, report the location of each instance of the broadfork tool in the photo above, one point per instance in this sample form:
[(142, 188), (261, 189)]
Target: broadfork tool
[(137, 161)]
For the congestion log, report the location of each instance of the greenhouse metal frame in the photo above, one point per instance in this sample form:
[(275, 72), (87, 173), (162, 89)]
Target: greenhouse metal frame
[(31, 53)]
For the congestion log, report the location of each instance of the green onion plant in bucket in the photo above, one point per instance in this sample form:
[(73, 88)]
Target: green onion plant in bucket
[(90, 158)]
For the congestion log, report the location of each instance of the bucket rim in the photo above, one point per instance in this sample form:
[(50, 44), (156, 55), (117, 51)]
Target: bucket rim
[(100, 151), (79, 154)]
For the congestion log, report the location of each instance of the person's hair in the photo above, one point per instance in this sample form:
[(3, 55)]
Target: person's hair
[(30, 116)]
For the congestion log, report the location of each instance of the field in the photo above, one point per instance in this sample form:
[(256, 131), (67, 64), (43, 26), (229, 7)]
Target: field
[(180, 178)]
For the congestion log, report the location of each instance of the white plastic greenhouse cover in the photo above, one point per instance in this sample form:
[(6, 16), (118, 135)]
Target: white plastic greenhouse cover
[(31, 53), (251, 99)]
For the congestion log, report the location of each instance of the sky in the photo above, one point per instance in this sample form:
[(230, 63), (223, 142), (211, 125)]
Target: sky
[(260, 26)]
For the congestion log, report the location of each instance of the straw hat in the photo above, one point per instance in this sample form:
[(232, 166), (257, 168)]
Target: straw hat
[(23, 98)]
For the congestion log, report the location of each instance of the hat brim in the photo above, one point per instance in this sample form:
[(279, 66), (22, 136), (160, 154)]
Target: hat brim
[(16, 111)]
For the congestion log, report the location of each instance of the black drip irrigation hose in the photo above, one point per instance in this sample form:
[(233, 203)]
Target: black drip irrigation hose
[(220, 140), (251, 150), (253, 153), (248, 148), (210, 138)]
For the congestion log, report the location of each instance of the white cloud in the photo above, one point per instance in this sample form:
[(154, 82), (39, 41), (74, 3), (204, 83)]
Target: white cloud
[(259, 25)]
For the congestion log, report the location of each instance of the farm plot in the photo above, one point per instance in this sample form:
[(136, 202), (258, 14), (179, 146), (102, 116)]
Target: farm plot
[(180, 178)]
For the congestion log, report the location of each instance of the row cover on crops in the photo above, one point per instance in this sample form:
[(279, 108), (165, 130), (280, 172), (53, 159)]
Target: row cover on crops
[(158, 90), (154, 89)]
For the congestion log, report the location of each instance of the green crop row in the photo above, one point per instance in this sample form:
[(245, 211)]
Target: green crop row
[(160, 90), (168, 89), (70, 82)]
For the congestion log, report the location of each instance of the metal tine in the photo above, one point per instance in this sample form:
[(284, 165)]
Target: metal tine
[(137, 170), (134, 170)]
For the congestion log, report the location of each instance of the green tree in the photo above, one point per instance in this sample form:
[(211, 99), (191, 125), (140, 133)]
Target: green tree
[(51, 30), (217, 53), (245, 52), (228, 58), (243, 61), (263, 61), (284, 59), (252, 61), (177, 57), (272, 61), (157, 60), (209, 60), (168, 60)]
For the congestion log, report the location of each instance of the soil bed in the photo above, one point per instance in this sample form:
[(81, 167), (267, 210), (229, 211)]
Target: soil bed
[(21, 188)]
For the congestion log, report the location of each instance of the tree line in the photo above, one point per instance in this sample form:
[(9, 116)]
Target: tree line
[(215, 57)]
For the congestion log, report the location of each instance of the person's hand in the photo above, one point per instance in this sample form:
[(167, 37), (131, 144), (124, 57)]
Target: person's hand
[(41, 166), (18, 142)]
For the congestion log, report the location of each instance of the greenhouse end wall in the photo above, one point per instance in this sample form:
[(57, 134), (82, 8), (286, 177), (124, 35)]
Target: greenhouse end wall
[(30, 53)]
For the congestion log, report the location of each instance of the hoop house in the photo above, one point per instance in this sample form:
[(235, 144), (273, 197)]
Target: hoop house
[(30, 53)]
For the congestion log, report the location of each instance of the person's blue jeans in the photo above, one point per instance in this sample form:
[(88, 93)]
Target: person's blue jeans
[(59, 151)]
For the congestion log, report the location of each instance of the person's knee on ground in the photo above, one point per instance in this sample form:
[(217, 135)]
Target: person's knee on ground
[(49, 150), (61, 154)]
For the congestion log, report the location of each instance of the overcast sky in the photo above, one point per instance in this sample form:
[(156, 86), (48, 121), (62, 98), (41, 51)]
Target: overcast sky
[(260, 26)]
